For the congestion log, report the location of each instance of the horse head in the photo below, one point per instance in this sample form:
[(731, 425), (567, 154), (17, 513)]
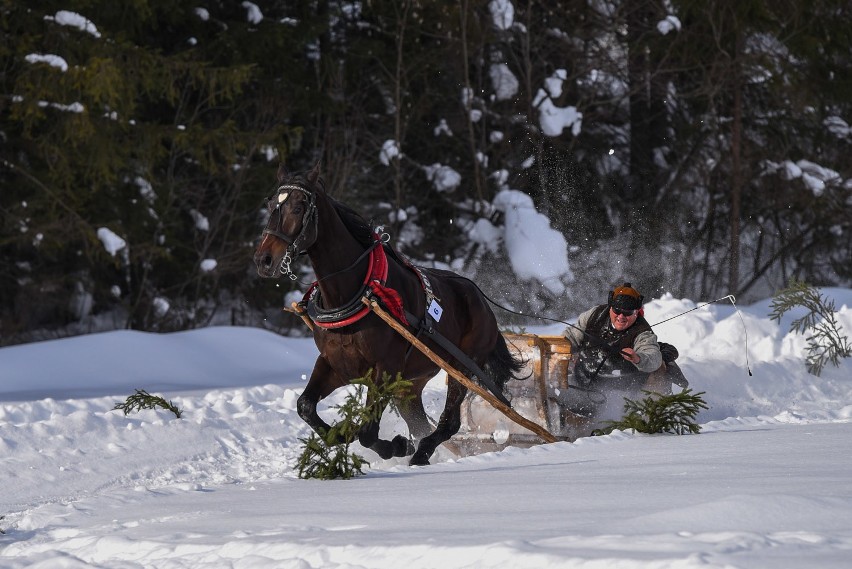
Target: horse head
[(292, 225)]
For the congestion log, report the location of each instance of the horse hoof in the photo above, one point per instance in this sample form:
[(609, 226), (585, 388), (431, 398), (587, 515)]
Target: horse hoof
[(402, 446), (419, 459)]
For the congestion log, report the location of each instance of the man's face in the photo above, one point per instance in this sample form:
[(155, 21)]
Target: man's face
[(622, 321)]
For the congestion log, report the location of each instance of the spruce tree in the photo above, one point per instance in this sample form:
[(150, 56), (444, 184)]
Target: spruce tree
[(162, 123), (826, 342)]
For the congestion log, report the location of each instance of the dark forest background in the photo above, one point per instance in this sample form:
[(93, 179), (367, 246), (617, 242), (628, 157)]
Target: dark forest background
[(713, 159)]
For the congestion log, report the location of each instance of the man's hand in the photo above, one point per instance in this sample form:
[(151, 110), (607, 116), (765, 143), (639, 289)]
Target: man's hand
[(630, 355)]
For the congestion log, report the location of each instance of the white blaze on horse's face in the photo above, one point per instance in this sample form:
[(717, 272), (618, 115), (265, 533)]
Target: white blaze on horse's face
[(282, 197)]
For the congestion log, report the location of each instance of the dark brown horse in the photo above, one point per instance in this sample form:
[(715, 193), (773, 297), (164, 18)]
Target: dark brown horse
[(347, 259)]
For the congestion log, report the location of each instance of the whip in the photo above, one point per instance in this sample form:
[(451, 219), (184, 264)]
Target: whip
[(601, 343), (733, 299)]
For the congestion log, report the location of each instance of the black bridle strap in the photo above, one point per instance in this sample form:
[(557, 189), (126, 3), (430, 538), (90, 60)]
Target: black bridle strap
[(310, 211), (293, 242), (278, 234)]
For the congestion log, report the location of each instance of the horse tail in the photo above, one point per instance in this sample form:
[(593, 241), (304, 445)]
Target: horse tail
[(502, 365)]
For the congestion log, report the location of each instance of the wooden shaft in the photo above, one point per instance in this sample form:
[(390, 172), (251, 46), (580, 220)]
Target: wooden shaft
[(303, 314), (458, 376)]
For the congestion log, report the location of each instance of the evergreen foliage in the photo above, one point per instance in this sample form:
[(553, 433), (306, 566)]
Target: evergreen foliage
[(329, 457), (826, 344), (160, 129), (328, 461), (144, 400), (709, 154), (673, 413)]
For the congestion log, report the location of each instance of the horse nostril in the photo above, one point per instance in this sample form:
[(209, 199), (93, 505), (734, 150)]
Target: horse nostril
[(266, 260)]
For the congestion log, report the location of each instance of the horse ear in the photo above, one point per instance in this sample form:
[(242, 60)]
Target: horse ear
[(282, 172), (314, 174)]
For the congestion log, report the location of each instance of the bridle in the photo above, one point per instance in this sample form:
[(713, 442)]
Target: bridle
[(282, 194)]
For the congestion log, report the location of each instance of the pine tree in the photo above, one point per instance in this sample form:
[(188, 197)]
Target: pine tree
[(144, 400), (161, 123), (826, 344), (674, 413), (329, 457)]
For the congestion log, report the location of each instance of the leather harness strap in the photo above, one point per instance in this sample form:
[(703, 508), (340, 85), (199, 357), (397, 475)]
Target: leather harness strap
[(478, 374), (374, 286), (354, 310)]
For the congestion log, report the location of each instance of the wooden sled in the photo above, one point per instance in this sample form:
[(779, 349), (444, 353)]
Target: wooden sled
[(536, 398)]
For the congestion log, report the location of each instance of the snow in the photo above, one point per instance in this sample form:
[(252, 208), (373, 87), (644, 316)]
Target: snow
[(111, 242), (146, 190), (200, 220), (48, 58), (767, 483), (389, 151), (486, 234), (502, 13), (814, 184), (671, 22), (75, 20), (443, 177), (443, 128), (552, 118), (815, 177), (553, 84), (503, 81), (254, 14), (837, 126), (535, 250), (819, 172), (161, 306)]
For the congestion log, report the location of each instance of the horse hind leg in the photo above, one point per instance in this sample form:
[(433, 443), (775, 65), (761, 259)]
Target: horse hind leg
[(368, 436), (448, 425), (414, 414)]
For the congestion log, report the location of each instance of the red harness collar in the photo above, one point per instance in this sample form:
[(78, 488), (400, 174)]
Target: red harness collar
[(355, 310)]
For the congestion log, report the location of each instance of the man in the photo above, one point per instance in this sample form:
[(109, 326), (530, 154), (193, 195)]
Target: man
[(616, 352)]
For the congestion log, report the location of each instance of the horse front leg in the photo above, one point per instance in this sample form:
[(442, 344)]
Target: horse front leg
[(448, 425), (320, 384)]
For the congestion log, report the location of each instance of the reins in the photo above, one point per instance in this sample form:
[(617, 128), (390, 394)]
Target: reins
[(347, 269), (601, 343)]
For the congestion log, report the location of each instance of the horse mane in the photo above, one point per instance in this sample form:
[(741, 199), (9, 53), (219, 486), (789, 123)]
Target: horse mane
[(355, 224), (360, 229)]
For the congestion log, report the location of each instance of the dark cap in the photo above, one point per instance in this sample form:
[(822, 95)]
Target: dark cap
[(625, 297)]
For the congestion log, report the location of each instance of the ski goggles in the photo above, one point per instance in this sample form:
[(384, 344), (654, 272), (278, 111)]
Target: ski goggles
[(623, 312)]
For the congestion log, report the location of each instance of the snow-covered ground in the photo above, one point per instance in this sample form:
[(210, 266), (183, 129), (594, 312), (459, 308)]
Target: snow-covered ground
[(768, 482)]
